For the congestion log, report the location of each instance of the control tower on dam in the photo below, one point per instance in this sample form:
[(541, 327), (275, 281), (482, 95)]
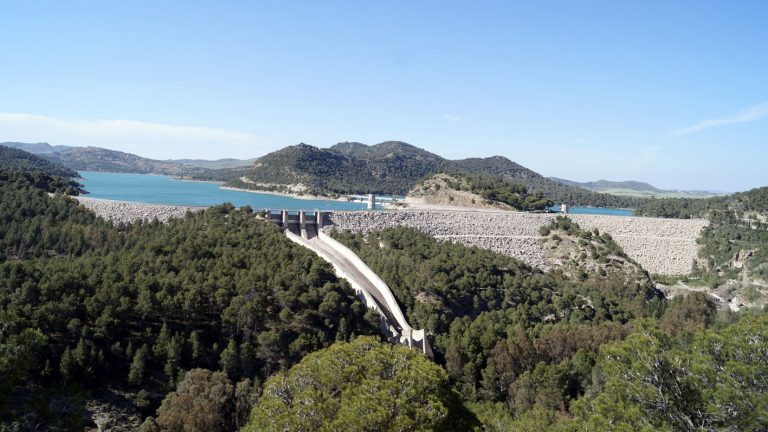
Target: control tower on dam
[(305, 229)]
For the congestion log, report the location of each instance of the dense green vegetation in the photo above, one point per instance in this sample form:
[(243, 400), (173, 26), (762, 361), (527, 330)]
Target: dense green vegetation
[(715, 380), (755, 200), (12, 159), (357, 386), (187, 319), (392, 168), (330, 171), (494, 318), (84, 304), (733, 249), (540, 351)]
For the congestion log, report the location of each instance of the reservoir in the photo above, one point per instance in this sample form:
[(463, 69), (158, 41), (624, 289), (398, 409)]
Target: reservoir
[(159, 189), (595, 211)]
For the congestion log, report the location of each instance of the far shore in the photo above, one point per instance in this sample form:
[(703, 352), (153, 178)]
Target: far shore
[(342, 198)]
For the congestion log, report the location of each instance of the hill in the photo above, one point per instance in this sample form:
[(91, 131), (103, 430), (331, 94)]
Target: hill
[(388, 168), (391, 167), (475, 190), (634, 188), (751, 202), (214, 164), (36, 148), (100, 159), (15, 159)]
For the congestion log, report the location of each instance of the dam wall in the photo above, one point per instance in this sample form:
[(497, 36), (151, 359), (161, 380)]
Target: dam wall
[(663, 246)]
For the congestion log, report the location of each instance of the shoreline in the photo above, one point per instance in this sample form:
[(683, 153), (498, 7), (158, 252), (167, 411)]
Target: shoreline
[(341, 198)]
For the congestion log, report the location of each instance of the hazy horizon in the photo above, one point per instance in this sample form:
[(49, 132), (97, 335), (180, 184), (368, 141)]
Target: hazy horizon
[(673, 95)]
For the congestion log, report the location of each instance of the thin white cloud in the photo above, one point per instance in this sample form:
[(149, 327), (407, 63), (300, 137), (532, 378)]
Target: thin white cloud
[(451, 118), (155, 140), (752, 113)]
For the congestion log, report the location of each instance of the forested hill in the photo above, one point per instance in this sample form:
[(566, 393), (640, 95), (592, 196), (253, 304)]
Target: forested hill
[(15, 159), (391, 167), (754, 200), (36, 148), (607, 184), (89, 311), (100, 159), (188, 325), (633, 188)]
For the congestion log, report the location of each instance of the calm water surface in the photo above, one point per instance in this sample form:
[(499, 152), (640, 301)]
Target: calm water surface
[(158, 189)]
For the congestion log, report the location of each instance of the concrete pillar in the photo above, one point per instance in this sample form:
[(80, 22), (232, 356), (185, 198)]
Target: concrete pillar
[(284, 213), (302, 219), (371, 201)]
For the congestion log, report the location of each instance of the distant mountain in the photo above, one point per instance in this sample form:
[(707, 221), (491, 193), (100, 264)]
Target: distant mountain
[(634, 189), (214, 164), (36, 148), (14, 159), (100, 159), (391, 167)]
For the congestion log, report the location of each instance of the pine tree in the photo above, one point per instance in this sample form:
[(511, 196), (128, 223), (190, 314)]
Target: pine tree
[(138, 366)]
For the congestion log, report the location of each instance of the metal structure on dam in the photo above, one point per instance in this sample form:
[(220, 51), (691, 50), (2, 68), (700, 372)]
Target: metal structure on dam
[(305, 229)]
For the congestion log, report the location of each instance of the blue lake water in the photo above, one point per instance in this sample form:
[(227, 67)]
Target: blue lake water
[(595, 211), (158, 189)]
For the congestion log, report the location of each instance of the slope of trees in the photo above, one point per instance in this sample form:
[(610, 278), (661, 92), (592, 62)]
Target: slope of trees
[(136, 306), (716, 381), (507, 333), (188, 319), (755, 200), (14, 159), (394, 168)]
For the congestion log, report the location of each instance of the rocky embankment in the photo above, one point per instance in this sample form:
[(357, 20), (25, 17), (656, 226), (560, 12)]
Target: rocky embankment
[(664, 246), (124, 212)]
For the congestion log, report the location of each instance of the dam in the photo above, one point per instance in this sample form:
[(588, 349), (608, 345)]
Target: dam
[(661, 246), (304, 228)]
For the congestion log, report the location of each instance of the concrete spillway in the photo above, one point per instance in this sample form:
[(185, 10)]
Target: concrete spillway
[(370, 288)]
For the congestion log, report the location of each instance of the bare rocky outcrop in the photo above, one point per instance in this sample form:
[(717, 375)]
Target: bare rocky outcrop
[(664, 246), (446, 190)]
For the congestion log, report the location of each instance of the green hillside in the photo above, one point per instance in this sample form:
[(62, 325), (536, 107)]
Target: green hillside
[(391, 167), (15, 159), (36, 148), (100, 159)]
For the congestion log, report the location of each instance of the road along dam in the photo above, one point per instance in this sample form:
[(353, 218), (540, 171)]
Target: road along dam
[(662, 246)]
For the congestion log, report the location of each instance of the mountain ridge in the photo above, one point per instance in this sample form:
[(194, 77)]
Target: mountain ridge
[(634, 188), (390, 167)]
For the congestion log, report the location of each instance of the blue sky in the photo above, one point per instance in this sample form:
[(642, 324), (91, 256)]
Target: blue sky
[(673, 93)]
